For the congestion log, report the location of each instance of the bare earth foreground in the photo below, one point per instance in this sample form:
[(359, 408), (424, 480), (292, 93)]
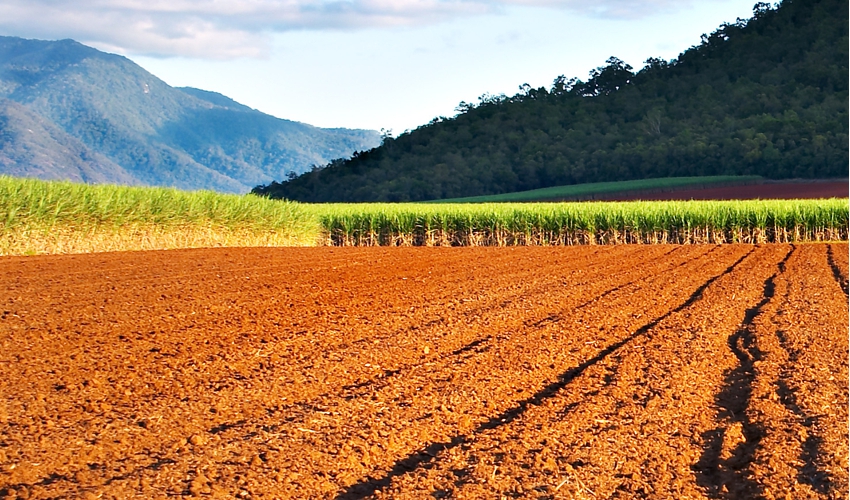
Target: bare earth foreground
[(531, 372)]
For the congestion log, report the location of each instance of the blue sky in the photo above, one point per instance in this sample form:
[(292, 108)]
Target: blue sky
[(371, 63)]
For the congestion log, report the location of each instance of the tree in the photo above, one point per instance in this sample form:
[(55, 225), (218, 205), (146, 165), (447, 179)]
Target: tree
[(606, 79)]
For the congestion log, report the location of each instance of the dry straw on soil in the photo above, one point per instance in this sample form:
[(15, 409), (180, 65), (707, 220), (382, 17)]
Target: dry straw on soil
[(24, 241)]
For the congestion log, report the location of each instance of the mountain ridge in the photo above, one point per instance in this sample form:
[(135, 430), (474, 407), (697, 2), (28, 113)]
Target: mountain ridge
[(157, 134)]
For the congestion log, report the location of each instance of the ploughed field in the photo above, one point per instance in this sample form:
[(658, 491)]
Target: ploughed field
[(631, 371), (776, 190)]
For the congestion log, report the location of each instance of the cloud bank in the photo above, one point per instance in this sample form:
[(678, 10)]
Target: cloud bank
[(227, 29)]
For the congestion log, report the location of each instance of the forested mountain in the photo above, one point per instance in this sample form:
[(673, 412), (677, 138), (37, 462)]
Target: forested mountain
[(31, 146), (99, 117), (766, 96)]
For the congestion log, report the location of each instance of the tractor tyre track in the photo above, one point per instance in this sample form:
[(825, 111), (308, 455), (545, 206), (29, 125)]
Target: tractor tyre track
[(800, 391)]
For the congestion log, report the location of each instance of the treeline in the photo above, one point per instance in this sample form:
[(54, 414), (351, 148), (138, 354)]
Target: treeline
[(765, 96)]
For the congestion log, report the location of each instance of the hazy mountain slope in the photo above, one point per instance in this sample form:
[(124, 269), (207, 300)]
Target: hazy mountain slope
[(31, 146), (215, 98), (113, 106), (258, 145), (161, 135), (768, 96)]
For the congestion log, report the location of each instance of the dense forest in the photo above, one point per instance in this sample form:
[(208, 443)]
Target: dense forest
[(765, 96)]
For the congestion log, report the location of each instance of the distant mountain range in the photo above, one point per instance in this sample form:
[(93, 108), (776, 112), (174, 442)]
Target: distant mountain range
[(68, 111), (766, 96)]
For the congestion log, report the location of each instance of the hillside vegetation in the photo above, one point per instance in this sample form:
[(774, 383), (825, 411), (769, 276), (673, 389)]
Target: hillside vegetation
[(766, 96), (71, 112)]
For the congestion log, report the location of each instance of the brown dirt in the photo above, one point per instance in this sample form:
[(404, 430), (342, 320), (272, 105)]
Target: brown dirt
[(585, 372), (775, 190)]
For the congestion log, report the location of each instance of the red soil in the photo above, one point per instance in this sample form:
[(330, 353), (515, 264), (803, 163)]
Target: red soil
[(530, 372), (773, 190)]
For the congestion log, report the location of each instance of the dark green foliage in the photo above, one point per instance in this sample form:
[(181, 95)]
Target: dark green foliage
[(764, 97), (149, 132)]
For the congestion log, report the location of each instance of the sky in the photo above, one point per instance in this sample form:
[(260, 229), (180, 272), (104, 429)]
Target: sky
[(372, 64)]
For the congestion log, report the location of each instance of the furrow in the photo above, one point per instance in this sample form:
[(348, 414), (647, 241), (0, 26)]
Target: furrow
[(437, 466), (315, 436), (724, 467), (609, 372), (800, 392), (192, 400), (838, 264)]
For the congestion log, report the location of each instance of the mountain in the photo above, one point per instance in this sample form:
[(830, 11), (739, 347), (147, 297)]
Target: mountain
[(215, 98), (31, 146), (101, 118), (765, 96)]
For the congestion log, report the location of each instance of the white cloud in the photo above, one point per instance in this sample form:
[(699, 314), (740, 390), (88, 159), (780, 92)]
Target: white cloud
[(226, 29)]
